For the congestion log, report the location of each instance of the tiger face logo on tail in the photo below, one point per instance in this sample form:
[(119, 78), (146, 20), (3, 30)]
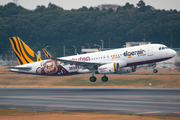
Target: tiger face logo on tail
[(23, 53)]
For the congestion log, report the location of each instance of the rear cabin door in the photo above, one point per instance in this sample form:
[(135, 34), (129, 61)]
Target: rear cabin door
[(150, 50)]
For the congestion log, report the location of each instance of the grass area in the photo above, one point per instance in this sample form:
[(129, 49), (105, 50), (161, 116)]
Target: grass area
[(131, 81), (123, 81), (15, 111)]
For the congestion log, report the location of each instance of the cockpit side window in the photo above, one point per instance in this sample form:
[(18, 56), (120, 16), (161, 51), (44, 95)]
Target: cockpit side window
[(160, 48), (163, 48)]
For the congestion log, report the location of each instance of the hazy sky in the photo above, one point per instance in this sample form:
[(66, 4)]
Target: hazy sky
[(69, 4)]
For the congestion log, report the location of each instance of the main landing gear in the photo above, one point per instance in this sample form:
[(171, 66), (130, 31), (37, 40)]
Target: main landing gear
[(93, 78), (104, 78), (154, 67)]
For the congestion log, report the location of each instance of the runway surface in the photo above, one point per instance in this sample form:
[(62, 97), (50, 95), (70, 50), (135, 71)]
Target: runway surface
[(161, 102)]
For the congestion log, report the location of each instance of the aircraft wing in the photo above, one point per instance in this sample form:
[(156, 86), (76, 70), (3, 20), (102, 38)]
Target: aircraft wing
[(88, 65)]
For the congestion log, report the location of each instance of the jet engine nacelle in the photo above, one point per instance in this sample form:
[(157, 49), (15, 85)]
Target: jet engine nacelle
[(108, 68), (127, 70), (111, 67)]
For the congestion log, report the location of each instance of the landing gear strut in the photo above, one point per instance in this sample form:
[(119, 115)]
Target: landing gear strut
[(154, 67), (92, 78), (104, 78)]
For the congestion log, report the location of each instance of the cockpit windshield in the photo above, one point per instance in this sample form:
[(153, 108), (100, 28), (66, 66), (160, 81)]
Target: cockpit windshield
[(162, 48)]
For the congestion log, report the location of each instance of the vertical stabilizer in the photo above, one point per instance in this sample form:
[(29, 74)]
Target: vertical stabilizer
[(23, 53)]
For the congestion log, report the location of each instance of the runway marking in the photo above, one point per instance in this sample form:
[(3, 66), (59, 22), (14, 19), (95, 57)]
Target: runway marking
[(97, 100), (92, 99), (94, 108), (85, 100), (157, 112), (74, 104), (177, 112), (149, 112)]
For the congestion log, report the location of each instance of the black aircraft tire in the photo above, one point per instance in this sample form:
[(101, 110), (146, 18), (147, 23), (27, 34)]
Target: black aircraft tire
[(92, 79), (104, 79), (155, 70)]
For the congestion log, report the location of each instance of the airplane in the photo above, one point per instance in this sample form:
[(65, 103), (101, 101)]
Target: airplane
[(116, 61)]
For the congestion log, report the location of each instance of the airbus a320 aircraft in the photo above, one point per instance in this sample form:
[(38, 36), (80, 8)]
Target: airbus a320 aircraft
[(116, 61)]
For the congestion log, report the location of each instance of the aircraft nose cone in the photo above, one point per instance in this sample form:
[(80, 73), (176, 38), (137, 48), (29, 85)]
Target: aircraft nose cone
[(173, 53)]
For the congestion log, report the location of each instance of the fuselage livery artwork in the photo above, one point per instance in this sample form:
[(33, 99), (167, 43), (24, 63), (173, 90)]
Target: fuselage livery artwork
[(116, 61)]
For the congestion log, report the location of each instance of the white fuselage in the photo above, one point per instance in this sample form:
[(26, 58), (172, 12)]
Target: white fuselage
[(137, 55)]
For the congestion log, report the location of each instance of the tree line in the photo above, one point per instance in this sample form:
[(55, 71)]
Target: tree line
[(53, 26)]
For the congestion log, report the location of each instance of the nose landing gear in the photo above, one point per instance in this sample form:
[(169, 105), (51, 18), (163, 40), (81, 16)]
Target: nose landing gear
[(154, 67), (155, 70)]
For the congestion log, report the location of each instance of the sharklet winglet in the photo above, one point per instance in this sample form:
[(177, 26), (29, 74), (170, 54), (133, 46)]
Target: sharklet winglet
[(48, 55)]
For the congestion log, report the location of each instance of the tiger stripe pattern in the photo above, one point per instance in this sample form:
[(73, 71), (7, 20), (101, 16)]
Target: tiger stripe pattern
[(46, 53), (23, 53)]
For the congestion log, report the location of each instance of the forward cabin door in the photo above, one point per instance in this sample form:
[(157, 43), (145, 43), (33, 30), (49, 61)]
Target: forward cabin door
[(150, 50)]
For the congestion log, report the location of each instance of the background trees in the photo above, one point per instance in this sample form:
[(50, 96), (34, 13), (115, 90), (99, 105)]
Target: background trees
[(53, 25)]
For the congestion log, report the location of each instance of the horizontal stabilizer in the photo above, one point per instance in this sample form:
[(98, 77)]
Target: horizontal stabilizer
[(20, 68)]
